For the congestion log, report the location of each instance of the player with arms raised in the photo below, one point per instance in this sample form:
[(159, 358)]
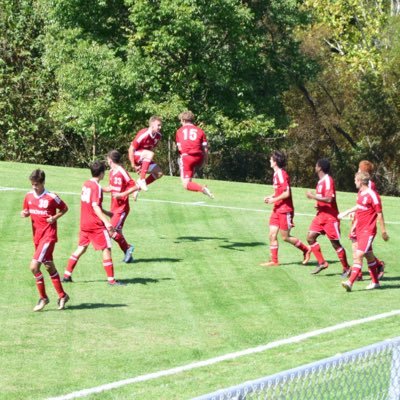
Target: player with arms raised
[(121, 185), (95, 227), (193, 148), (283, 212), (44, 208), (326, 221), (368, 209), (141, 153)]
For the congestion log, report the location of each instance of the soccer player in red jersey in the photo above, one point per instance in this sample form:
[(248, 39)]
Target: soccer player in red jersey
[(95, 227), (326, 221), (365, 166), (282, 214), (141, 153), (121, 185), (367, 209), (44, 208), (193, 148)]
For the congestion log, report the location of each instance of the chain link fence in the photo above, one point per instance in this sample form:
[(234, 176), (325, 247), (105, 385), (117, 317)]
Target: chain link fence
[(369, 373)]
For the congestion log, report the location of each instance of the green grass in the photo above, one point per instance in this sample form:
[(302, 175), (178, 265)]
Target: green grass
[(195, 292)]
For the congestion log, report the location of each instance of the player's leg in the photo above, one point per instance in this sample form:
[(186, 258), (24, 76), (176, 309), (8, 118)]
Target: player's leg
[(312, 235), (73, 260), (187, 166), (355, 269), (146, 157), (55, 279), (117, 221), (341, 253), (273, 241), (286, 224), (36, 262), (373, 270)]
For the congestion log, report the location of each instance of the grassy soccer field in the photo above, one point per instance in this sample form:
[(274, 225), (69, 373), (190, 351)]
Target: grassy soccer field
[(196, 291)]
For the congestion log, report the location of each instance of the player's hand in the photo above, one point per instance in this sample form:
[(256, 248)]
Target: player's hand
[(117, 195), (137, 168), (25, 213), (352, 215), (385, 236), (110, 229), (310, 195), (268, 200), (341, 215), (51, 220)]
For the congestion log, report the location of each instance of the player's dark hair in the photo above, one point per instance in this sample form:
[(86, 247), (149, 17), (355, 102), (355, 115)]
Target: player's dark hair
[(279, 158), (115, 156), (38, 176), (324, 164), (98, 168)]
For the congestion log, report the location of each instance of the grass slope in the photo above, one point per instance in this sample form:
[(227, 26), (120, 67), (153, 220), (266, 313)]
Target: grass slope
[(195, 292)]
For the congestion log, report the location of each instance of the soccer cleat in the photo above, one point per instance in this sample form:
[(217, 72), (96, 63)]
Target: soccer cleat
[(128, 254), (61, 301), (346, 273), (347, 285), (42, 303), (66, 279), (269, 264), (320, 268), (142, 184), (116, 283), (381, 270), (207, 192), (372, 286), (306, 256)]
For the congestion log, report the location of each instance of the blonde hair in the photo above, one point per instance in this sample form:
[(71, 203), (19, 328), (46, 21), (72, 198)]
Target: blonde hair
[(154, 118), (363, 177), (186, 116)]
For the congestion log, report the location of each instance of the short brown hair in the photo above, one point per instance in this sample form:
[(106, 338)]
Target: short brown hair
[(154, 118), (366, 166), (114, 156), (186, 116), (38, 176)]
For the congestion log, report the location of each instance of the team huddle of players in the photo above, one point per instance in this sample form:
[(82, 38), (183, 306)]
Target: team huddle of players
[(365, 215), (98, 226)]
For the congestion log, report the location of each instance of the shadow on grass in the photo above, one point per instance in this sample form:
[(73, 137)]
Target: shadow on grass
[(144, 281), (88, 306), (240, 246), (197, 238), (159, 259)]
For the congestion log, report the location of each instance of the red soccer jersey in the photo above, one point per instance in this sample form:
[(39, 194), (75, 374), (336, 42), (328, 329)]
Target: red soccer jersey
[(326, 188), (120, 181), (40, 208), (371, 185), (145, 140), (92, 194), (281, 183), (191, 140), (368, 206)]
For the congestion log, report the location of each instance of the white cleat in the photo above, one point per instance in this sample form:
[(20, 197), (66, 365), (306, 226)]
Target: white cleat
[(62, 301), (372, 286), (42, 303), (207, 192), (142, 184), (347, 285)]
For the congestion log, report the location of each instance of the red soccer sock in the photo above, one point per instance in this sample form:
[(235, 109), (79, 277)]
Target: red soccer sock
[(379, 262), (40, 285), (373, 271), (341, 252), (194, 187), (73, 260), (144, 169), (273, 251), (299, 244), (355, 271), (109, 268), (120, 239), (316, 249), (150, 179), (55, 279)]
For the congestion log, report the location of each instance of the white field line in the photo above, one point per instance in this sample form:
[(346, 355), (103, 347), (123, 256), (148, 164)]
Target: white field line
[(226, 357), (195, 204)]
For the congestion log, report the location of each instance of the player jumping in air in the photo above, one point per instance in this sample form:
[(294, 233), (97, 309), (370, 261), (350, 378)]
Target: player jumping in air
[(141, 154), (283, 212), (193, 148), (326, 221), (367, 209), (44, 208)]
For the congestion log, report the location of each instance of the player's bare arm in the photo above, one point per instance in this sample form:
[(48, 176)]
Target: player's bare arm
[(126, 193), (282, 196), (343, 214), (102, 214), (382, 226), (25, 213), (318, 197), (55, 217)]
